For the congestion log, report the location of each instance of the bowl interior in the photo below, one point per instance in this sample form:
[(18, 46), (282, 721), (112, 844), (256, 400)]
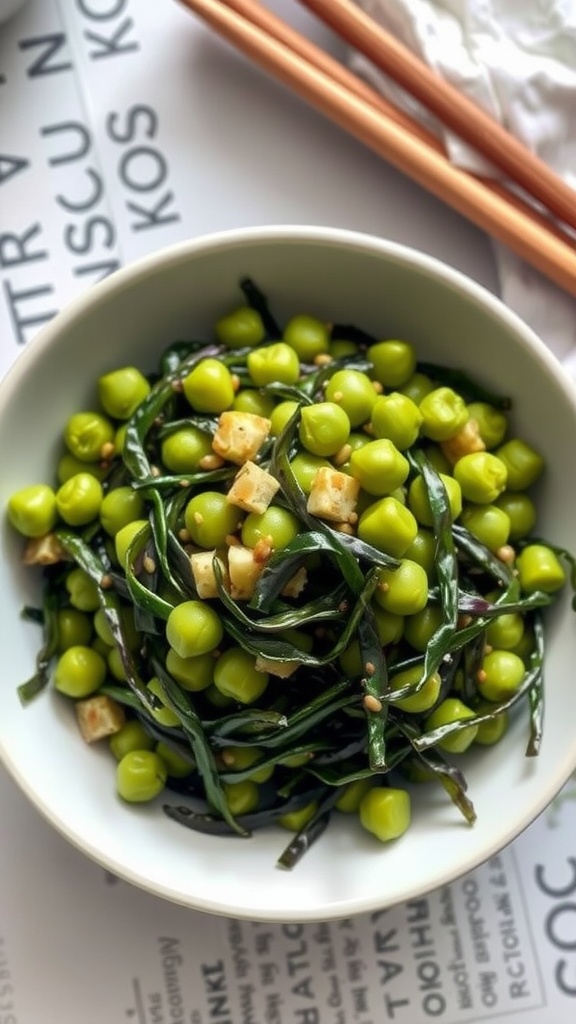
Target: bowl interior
[(387, 290)]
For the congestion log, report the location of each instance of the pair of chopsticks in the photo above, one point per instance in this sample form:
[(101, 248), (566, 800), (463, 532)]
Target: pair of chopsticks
[(531, 227)]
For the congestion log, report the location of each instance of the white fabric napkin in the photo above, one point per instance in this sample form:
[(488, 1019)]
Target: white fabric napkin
[(516, 59)]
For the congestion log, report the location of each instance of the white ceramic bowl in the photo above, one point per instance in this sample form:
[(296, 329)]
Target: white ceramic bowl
[(129, 318)]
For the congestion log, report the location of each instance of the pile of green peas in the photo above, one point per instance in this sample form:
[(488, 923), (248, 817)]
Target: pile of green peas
[(351, 461)]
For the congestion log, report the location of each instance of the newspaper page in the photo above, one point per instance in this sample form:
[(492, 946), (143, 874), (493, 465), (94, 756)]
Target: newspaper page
[(106, 153)]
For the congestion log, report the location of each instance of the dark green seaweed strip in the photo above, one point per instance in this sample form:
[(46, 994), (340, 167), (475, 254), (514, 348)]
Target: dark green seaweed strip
[(85, 557), (210, 825), (433, 761), (142, 596), (203, 755), (47, 652), (484, 558), (536, 690), (309, 833), (374, 682)]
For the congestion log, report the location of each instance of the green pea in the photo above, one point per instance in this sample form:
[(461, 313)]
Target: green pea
[(116, 665), (396, 417), (423, 550), (210, 518), (78, 500), (102, 627), (296, 820), (349, 800), (492, 731), (501, 674), (419, 502), (308, 336), (124, 537), (350, 660), (505, 631), (255, 402), (324, 428), (488, 523), (521, 512), (354, 392), (390, 627), (216, 699), (74, 627), (193, 628), (523, 464), (236, 676), (389, 526), (86, 434), (131, 736), (241, 797), (209, 386), (385, 812), (79, 671), (341, 348), (192, 673), (120, 506), (417, 387), (424, 699), (482, 477), (420, 628), (379, 467), (280, 416), (492, 423), (69, 465), (177, 766), (140, 776), (403, 591), (437, 458), (182, 450), (243, 328), (271, 364), (82, 590), (304, 465), (33, 510), (539, 568), (394, 362), (277, 524), (238, 759), (122, 391), (452, 710), (444, 413)]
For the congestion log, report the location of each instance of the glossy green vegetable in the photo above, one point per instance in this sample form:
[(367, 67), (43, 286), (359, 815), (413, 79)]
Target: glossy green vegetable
[(287, 630)]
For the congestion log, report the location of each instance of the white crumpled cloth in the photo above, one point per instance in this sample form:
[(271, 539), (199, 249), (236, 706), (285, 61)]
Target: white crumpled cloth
[(516, 59)]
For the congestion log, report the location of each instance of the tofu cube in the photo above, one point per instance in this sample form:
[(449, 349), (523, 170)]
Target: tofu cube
[(253, 488), (244, 571), (99, 717), (240, 435), (333, 496), (202, 564), (281, 669)]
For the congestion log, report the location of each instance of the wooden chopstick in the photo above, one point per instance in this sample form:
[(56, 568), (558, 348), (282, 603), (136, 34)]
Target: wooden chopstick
[(285, 34), (490, 211), (452, 108)]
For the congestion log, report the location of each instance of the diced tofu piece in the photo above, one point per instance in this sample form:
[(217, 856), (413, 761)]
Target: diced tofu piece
[(99, 717), (46, 550), (253, 488), (333, 495), (244, 571), (240, 435), (296, 584), (465, 441), (282, 669), (202, 563)]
